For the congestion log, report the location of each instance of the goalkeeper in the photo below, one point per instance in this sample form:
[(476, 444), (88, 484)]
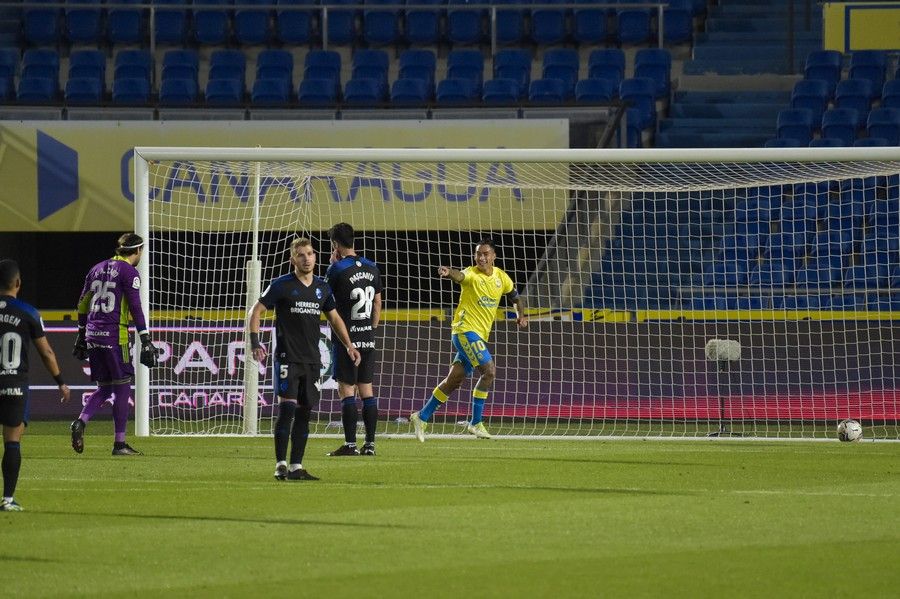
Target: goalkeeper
[(110, 287), (482, 286)]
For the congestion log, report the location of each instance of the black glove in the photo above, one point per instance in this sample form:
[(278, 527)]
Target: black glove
[(80, 349), (149, 353)]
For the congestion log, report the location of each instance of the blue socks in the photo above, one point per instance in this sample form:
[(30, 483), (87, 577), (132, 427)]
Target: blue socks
[(437, 399)]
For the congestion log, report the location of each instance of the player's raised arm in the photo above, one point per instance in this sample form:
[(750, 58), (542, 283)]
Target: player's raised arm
[(48, 357), (451, 273), (338, 326), (254, 316)]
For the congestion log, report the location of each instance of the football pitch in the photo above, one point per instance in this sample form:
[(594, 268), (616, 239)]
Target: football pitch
[(454, 517)]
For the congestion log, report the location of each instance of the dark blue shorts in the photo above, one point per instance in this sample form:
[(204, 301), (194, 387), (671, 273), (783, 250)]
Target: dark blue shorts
[(14, 408)]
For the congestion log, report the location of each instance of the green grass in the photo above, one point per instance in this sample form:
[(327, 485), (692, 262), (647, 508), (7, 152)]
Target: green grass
[(203, 517)]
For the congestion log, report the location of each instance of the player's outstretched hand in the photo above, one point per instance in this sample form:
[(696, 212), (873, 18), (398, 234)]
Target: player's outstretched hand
[(259, 354), (443, 271), (66, 393), (354, 355), (79, 350), (149, 353), (522, 321)]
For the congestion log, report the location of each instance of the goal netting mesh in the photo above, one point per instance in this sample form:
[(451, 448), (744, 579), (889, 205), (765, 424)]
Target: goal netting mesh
[(630, 269)]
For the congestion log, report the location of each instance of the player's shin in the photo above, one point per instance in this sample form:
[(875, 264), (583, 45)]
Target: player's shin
[(299, 435), (370, 417), (94, 401), (12, 461), (349, 418), (121, 410), (437, 399), (286, 411), (479, 396)]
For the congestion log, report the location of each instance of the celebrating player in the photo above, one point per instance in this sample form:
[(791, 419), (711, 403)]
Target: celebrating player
[(110, 287), (298, 299), (19, 323), (482, 285), (356, 283)]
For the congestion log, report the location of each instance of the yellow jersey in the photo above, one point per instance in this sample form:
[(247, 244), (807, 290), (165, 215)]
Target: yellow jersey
[(479, 300)]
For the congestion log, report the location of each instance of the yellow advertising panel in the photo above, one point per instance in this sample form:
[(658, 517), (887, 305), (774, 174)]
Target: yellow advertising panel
[(77, 176), (853, 26)]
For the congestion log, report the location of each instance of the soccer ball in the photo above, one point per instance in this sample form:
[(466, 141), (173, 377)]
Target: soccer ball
[(849, 430)]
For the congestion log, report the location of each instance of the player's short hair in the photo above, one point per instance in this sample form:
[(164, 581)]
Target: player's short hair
[(129, 244), (488, 242), (300, 242), (342, 234), (9, 272)]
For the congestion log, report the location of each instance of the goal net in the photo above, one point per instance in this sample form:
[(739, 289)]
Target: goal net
[(671, 293)]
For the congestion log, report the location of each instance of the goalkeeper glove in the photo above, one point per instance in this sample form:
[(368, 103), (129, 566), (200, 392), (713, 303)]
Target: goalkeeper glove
[(80, 350), (149, 352)]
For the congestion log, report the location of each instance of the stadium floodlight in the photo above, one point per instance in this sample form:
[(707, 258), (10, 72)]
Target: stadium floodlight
[(630, 261)]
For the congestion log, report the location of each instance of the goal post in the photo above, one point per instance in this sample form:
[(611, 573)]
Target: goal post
[(631, 262)]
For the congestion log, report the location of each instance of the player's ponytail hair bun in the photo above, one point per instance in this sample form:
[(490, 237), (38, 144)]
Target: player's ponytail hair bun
[(129, 243)]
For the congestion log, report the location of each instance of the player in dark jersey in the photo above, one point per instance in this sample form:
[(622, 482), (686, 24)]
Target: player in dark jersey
[(356, 283), (298, 299), (19, 324), (112, 291)]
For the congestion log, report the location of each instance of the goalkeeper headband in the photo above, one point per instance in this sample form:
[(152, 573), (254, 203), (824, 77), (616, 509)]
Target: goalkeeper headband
[(131, 247)]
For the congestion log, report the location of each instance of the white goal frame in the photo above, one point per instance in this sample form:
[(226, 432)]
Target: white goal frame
[(143, 156)]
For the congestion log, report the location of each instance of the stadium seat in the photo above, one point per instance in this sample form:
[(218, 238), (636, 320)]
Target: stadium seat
[(562, 64), (125, 25), (607, 63), (868, 142), (251, 26), (854, 93), (88, 63), (457, 91), (83, 23), (796, 123), (275, 64), (841, 123), (812, 94), (130, 90), (890, 94), (271, 92), (633, 26), (294, 26), (464, 25), (501, 91), (418, 64), (678, 21), (177, 91), (824, 65), (224, 92), (36, 90), (211, 26), (823, 271), (589, 24), (7, 89), (514, 64), (363, 92), (655, 64), (371, 64), (595, 90), (317, 92), (380, 26), (9, 62), (171, 23), (229, 64), (341, 23), (323, 64), (870, 65), (640, 93), (548, 25), (410, 92), (468, 65), (40, 63), (885, 123), (784, 142), (509, 28), (422, 25), (180, 64), (83, 90), (547, 91), (40, 24)]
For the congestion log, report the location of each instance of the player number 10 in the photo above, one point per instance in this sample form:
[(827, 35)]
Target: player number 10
[(364, 297)]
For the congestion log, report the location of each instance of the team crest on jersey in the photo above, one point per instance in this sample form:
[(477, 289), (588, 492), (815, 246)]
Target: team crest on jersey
[(2, 305), (358, 263), (497, 283), (318, 293)]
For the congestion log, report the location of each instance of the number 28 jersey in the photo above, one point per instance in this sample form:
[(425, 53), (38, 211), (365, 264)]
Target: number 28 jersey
[(355, 281)]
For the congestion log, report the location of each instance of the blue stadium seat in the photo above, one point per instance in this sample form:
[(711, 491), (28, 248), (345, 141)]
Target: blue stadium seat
[(456, 91), (678, 21), (224, 92), (9, 62), (468, 65), (40, 63), (501, 91), (774, 273), (171, 23), (83, 23), (823, 271), (36, 90), (870, 65), (380, 27), (317, 92), (589, 24), (88, 63), (824, 65), (130, 64), (275, 64), (509, 29), (417, 64), (726, 274), (464, 25), (181, 63), (562, 64), (271, 92), (868, 142), (422, 25), (125, 25), (372, 64), (294, 26), (890, 94), (363, 92), (212, 26), (885, 123), (83, 91), (324, 64), (841, 123), (7, 89), (812, 94), (607, 63), (796, 123), (640, 93), (130, 90), (410, 92), (514, 64), (547, 91), (595, 90), (548, 25), (854, 93), (251, 26), (341, 23), (655, 64), (178, 91), (41, 25), (633, 26), (783, 142), (230, 65)]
